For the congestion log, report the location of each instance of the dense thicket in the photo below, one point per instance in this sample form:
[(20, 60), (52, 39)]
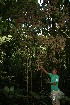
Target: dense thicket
[(33, 34)]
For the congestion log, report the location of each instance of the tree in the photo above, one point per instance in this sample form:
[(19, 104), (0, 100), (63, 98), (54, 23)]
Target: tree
[(28, 35)]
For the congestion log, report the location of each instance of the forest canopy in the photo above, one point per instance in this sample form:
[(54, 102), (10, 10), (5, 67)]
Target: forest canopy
[(32, 34)]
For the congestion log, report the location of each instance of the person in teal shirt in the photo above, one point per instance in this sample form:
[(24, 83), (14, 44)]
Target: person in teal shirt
[(54, 85), (54, 81)]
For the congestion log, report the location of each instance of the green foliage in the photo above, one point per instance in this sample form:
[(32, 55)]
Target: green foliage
[(35, 95), (22, 48), (6, 89)]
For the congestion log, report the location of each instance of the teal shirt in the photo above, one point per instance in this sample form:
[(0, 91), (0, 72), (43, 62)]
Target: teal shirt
[(54, 78)]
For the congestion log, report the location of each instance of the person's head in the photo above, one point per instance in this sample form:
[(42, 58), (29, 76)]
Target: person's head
[(54, 71)]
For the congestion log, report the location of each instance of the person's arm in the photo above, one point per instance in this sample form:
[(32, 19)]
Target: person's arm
[(41, 67), (54, 83)]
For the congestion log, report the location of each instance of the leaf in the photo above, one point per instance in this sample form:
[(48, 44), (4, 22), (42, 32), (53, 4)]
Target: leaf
[(11, 89), (35, 95), (6, 89)]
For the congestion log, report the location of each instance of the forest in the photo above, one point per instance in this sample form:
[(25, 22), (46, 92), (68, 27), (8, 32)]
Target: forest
[(33, 33)]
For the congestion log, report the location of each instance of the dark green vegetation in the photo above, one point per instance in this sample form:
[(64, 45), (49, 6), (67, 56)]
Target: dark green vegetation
[(22, 49)]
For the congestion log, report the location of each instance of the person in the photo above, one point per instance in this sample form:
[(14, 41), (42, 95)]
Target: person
[(54, 85)]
